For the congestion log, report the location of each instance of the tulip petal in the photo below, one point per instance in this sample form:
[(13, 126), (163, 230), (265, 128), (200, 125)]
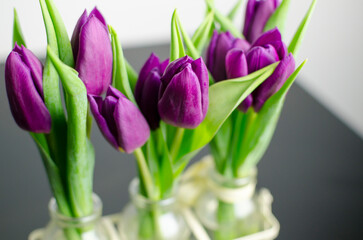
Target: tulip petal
[(181, 103), (172, 69), (211, 50), (236, 64), (242, 44), (95, 103), (75, 36), (271, 85), (152, 62), (224, 44), (149, 101), (35, 66), (26, 104), (268, 37), (133, 130), (108, 107), (201, 72), (260, 57), (94, 61), (99, 16)]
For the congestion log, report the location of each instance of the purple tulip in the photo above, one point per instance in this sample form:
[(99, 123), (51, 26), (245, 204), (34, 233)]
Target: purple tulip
[(183, 95), (217, 50), (119, 120), (23, 78), (93, 52), (258, 13), (236, 66), (147, 89), (266, 50)]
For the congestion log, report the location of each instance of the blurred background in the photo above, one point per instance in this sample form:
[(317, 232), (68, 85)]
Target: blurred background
[(313, 166)]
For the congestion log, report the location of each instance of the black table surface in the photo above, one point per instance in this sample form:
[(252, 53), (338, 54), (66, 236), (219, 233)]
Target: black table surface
[(313, 167)]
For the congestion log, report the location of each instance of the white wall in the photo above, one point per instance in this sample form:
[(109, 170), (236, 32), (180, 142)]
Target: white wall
[(333, 42)]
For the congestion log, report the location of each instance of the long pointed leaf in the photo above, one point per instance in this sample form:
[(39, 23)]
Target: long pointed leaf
[(201, 36), (79, 168), (299, 35), (53, 174), (120, 76), (57, 139), (278, 19), (191, 50), (260, 133), (176, 47), (17, 33), (232, 14), (132, 75), (225, 22), (64, 45)]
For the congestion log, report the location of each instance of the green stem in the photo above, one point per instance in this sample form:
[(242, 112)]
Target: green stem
[(242, 141), (226, 222), (89, 122), (175, 146), (145, 173)]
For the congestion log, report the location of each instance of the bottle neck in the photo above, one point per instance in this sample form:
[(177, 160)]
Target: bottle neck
[(232, 190), (64, 221), (141, 202)]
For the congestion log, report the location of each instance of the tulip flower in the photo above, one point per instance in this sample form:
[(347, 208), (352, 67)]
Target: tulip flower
[(258, 13), (93, 52), (266, 50), (23, 78), (147, 89), (217, 50), (236, 66), (183, 95), (119, 120)]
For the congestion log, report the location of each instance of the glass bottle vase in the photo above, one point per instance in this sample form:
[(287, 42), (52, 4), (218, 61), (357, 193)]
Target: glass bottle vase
[(227, 208), (62, 227), (144, 219)]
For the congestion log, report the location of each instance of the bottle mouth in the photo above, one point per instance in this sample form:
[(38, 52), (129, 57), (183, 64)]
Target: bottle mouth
[(144, 202), (227, 182), (75, 222)]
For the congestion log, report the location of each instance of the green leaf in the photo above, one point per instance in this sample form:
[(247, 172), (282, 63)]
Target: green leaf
[(224, 98), (119, 73), (260, 132), (57, 139), (225, 22), (78, 165), (176, 47), (132, 75), (192, 51), (299, 35), (64, 45), (53, 173), (201, 36), (17, 33), (232, 14), (278, 18)]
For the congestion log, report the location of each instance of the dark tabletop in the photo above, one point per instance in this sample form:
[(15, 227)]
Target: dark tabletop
[(313, 167)]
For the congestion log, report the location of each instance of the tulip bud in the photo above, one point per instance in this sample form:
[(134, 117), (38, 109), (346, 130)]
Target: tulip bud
[(183, 95), (119, 120), (258, 12), (93, 52), (23, 78), (266, 50), (147, 89), (217, 50)]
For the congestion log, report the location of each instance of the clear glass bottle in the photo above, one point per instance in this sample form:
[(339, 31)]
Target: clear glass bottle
[(90, 227), (144, 219), (227, 208)]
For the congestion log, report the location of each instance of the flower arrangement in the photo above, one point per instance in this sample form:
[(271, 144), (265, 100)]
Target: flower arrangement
[(165, 114)]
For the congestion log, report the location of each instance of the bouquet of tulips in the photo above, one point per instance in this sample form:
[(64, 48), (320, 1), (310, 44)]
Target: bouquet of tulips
[(165, 114)]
